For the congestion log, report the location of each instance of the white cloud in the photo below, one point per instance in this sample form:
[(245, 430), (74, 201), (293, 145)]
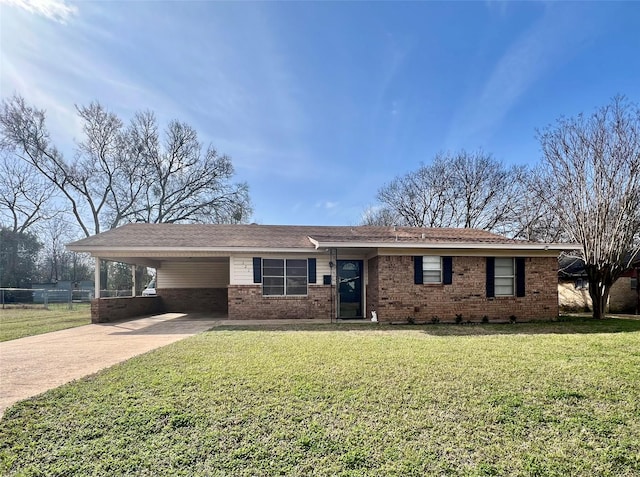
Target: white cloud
[(56, 10), (549, 42), (327, 204), (499, 6)]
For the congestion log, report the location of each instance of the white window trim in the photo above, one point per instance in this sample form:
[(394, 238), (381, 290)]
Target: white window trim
[(512, 277), (424, 263), (284, 277)]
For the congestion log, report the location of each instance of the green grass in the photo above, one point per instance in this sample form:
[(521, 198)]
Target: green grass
[(21, 322), (556, 399)]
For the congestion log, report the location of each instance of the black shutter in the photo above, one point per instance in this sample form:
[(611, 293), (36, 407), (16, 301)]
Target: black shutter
[(491, 277), (417, 271), (447, 270), (257, 270), (520, 281), (311, 270)]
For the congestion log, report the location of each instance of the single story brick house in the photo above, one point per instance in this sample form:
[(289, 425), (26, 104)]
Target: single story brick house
[(339, 272)]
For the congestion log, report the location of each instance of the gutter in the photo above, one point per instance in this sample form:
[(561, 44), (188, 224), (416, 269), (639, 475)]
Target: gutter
[(448, 245), (146, 250)]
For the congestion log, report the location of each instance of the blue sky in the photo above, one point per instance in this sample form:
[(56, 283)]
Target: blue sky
[(320, 104)]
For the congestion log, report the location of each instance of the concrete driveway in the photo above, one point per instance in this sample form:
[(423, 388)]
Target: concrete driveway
[(33, 365)]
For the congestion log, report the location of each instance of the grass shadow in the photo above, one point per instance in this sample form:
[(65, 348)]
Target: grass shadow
[(160, 324), (564, 325)]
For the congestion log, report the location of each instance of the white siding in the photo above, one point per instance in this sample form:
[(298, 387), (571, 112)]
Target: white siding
[(193, 275), (241, 270), (322, 268)]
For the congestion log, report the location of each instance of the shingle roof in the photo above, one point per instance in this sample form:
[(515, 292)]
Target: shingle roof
[(142, 235), (406, 235), (573, 267)]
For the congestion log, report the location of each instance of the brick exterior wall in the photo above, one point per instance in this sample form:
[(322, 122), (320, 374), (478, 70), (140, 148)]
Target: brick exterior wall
[(106, 310), (194, 299), (247, 302), (390, 291), (396, 298), (622, 298), (373, 287)]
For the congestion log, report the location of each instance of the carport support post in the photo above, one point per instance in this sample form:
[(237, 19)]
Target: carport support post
[(97, 278), (134, 286)]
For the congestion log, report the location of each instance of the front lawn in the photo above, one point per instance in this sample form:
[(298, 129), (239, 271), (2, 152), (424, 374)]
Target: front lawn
[(21, 322), (559, 399)]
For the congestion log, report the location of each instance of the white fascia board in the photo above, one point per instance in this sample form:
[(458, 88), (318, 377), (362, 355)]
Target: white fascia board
[(450, 245), (102, 251)]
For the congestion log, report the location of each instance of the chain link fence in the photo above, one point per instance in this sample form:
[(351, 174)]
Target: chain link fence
[(42, 297)]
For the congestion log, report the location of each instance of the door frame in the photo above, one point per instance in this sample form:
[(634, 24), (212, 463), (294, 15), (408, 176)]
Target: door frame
[(362, 303)]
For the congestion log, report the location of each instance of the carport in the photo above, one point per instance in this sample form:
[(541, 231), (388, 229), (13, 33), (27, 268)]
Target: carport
[(183, 284), (188, 278)]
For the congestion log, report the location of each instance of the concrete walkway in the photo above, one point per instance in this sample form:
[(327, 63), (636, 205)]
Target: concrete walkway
[(33, 365)]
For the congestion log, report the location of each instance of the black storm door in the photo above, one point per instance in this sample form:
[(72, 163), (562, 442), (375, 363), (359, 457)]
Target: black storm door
[(350, 288)]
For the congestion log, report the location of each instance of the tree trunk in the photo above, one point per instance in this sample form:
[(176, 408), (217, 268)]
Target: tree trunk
[(600, 282), (599, 293)]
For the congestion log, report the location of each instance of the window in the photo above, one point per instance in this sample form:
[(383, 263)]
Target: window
[(431, 269), (582, 284), (284, 277), (504, 276)]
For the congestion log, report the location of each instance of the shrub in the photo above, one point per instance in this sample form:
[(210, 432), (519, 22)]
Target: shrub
[(458, 318)]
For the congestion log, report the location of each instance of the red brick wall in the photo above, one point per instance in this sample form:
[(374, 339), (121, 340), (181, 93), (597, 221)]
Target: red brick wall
[(622, 298), (373, 287), (398, 298), (194, 299), (247, 302), (106, 310)]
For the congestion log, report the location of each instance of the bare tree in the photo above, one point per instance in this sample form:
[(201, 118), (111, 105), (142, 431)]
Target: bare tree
[(86, 182), (25, 198), (590, 180), (56, 262), (125, 173), (180, 182), (380, 216), (484, 190), (456, 190), (420, 198), (533, 220)]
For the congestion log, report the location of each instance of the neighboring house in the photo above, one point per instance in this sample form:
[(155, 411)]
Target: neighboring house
[(573, 288), (573, 285), (264, 272)]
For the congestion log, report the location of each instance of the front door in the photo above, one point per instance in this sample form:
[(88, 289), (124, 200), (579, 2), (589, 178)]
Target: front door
[(350, 288)]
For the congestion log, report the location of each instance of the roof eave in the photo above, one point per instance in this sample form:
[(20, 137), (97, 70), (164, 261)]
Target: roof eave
[(105, 250), (449, 245)]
